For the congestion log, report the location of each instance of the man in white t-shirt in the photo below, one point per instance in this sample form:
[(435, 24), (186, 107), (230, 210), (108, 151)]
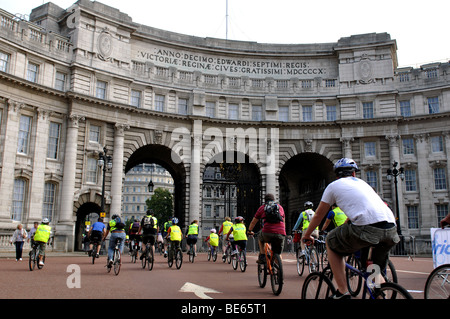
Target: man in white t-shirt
[(372, 223)]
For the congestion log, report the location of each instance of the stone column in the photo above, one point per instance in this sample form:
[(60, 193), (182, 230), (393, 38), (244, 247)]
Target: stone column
[(117, 169), (195, 178), (272, 162), (347, 146), (39, 160), (9, 161), (425, 181)]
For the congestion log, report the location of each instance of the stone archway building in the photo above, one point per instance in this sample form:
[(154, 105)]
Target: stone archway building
[(74, 81)]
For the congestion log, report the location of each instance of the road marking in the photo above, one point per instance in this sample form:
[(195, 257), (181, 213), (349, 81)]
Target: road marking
[(416, 291), (413, 272), (199, 291)]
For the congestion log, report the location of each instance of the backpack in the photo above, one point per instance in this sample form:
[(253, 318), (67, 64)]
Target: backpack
[(119, 223), (149, 223), (272, 211), (135, 227), (309, 214)]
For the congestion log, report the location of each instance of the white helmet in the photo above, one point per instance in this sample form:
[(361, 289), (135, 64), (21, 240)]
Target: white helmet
[(213, 230)]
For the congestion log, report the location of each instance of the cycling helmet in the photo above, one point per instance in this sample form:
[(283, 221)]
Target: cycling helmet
[(345, 166), (149, 211), (308, 204), (45, 221), (174, 220), (213, 230), (114, 216), (239, 219)]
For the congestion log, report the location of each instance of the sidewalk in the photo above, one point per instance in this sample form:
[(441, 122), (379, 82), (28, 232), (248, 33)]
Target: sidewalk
[(11, 254)]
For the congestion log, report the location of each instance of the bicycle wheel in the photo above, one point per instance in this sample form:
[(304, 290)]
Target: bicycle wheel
[(228, 253), (390, 274), (94, 253), (437, 285), (170, 257), (242, 260), (117, 262), (209, 254), (214, 255), (37, 260), (144, 259), (150, 258), (234, 261), (32, 259), (313, 264), (178, 258), (317, 286), (262, 274), (391, 290), (276, 278), (301, 264), (354, 281), (191, 254), (324, 259)]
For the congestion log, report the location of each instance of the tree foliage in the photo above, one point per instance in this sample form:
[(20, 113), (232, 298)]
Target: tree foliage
[(162, 204)]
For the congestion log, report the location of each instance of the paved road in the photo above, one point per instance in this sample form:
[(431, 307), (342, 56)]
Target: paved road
[(202, 279)]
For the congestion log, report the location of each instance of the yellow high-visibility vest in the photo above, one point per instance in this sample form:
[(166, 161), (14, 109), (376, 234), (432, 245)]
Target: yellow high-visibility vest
[(214, 240), (42, 233), (239, 232), (175, 233)]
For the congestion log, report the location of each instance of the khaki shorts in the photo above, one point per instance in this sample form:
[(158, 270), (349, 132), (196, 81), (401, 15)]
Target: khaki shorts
[(276, 241), (348, 239)]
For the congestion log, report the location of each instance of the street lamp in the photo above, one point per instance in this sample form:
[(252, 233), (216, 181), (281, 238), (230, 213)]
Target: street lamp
[(394, 173), (150, 184), (102, 160)]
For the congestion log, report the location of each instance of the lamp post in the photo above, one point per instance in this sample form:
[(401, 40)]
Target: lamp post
[(105, 163), (150, 184), (394, 173)]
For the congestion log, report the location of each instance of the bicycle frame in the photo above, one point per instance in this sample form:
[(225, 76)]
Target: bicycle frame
[(269, 256), (365, 276)]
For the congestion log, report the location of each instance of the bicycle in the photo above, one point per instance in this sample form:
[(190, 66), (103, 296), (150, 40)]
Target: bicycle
[(148, 258), (239, 258), (34, 257), (191, 253), (354, 282), (437, 285), (212, 253), (322, 250), (134, 251), (93, 253), (319, 285), (175, 253), (273, 267), (310, 257), (116, 262), (227, 256)]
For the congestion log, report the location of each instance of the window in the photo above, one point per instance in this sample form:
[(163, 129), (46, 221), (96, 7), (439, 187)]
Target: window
[(403, 76), (307, 113), (368, 110), (432, 73), (233, 111), (306, 84), (4, 62), (24, 134), (331, 113), (442, 211), (94, 133), (32, 72), (18, 199), (101, 90), (53, 140), (183, 106), (210, 109), (60, 81), (283, 113), (136, 98), (405, 108), (370, 149), (91, 171), (330, 83), (410, 180), (437, 144), (257, 113), (49, 200), (408, 146), (413, 217), (433, 105), (159, 102), (440, 180), (371, 179), (208, 210)]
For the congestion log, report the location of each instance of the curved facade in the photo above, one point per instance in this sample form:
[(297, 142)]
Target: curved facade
[(75, 81)]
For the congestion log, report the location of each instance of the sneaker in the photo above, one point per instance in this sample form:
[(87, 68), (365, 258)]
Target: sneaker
[(110, 263), (339, 295), (97, 255), (41, 263), (261, 259)]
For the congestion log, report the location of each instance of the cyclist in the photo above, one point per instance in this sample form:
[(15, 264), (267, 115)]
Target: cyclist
[(149, 228), (167, 225), (117, 229), (133, 234), (224, 229), (274, 229), (304, 220), (95, 235), (192, 235), (239, 234), (372, 222), (41, 237), (336, 215), (174, 235), (213, 239)]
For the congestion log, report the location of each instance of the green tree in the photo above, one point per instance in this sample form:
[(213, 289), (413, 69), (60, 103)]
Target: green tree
[(162, 205)]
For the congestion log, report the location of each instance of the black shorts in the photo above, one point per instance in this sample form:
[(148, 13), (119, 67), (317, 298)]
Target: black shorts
[(191, 239), (96, 236), (149, 238)]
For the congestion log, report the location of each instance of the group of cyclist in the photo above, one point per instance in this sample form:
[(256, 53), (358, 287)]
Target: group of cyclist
[(361, 217)]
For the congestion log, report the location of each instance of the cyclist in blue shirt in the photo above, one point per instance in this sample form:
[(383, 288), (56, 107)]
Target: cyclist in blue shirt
[(95, 235)]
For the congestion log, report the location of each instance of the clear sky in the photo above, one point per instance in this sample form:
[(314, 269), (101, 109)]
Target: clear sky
[(421, 28)]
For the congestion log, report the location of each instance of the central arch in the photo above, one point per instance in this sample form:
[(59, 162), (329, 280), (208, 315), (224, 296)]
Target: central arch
[(163, 156), (303, 178)]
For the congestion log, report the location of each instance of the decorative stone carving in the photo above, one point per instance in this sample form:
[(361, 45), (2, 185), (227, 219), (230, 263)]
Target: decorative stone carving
[(365, 70), (104, 45)]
